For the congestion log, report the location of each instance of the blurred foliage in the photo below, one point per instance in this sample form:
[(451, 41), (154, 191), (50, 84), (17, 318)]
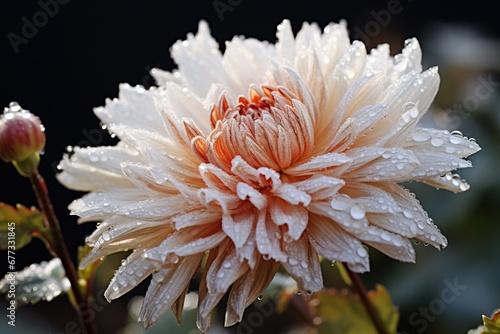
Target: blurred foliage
[(43, 281), (27, 223), (343, 313)]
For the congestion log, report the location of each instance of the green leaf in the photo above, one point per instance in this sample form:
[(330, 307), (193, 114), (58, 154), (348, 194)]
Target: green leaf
[(344, 313), (492, 326), (43, 281), (19, 224)]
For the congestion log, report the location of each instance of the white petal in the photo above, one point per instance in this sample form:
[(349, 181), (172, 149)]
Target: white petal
[(397, 211), (379, 164), (162, 77), (343, 210), (81, 174), (141, 176), (101, 204), (245, 192), (294, 216), (320, 187), (441, 141), (135, 108), (267, 235), (188, 241), (195, 217), (330, 241), (303, 265), (166, 286), (451, 182), (410, 59), (363, 93), (160, 208), (335, 42), (285, 46), (388, 243), (412, 89), (199, 60), (133, 271), (238, 226), (216, 177), (226, 268), (245, 62), (292, 195), (427, 232), (184, 104), (247, 288), (347, 71), (318, 163), (213, 199)]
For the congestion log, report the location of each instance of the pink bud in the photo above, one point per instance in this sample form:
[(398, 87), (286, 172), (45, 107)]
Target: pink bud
[(22, 137)]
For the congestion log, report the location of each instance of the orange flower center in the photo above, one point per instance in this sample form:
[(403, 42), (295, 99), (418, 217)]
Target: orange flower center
[(271, 128)]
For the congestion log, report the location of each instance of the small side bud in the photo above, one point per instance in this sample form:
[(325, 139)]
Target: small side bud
[(22, 137)]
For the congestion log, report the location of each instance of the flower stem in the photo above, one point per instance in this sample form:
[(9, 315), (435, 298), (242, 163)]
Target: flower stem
[(363, 294), (58, 247)]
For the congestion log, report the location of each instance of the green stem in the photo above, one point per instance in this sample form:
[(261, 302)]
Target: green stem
[(363, 295), (59, 248)]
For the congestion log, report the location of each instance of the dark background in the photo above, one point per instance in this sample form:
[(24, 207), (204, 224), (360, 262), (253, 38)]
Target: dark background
[(78, 57)]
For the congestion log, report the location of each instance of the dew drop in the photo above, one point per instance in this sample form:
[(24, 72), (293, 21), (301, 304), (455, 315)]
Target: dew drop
[(361, 251), (421, 135), (386, 236), (293, 261), (408, 214), (357, 212), (437, 142), (341, 203), (400, 63)]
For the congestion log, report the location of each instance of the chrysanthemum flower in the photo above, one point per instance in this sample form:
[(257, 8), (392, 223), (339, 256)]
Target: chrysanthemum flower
[(261, 157)]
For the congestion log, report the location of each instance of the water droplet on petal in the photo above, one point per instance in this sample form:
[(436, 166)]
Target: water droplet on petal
[(421, 135), (386, 236), (408, 214), (357, 212), (437, 142), (361, 251), (341, 203)]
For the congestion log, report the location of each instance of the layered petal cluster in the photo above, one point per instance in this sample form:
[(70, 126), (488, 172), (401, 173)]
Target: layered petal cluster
[(261, 157)]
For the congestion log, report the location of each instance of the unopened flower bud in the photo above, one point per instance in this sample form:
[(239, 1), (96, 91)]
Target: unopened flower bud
[(22, 138)]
